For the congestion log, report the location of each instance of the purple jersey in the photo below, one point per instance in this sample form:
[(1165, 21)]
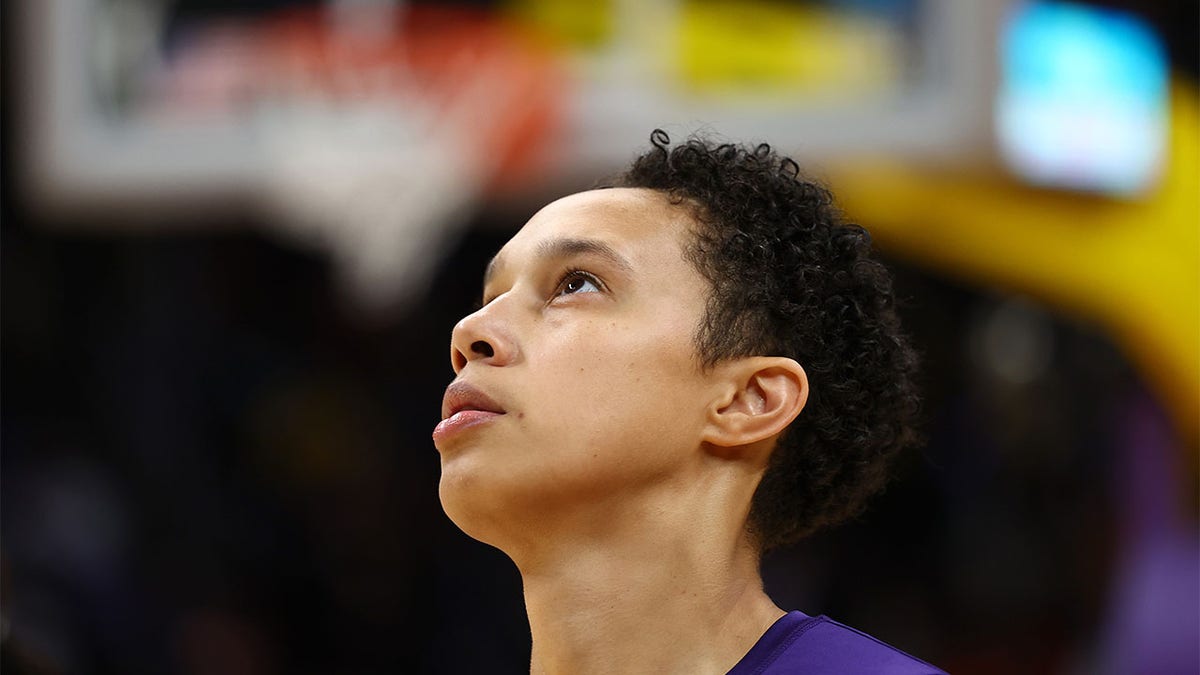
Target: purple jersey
[(798, 644)]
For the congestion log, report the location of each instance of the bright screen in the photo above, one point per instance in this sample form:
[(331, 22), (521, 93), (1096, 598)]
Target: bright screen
[(1083, 98)]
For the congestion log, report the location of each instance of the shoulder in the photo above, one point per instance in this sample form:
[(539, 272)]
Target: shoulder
[(803, 645), (836, 647)]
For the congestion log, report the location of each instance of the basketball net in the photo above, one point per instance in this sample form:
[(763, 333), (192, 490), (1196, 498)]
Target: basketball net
[(383, 147)]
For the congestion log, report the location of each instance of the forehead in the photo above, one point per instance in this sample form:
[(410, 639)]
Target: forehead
[(640, 225)]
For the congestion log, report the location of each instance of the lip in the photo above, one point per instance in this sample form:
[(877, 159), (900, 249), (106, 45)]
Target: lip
[(462, 395), (460, 422), (464, 406)]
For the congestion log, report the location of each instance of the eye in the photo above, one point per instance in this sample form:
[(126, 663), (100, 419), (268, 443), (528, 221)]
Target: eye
[(578, 281)]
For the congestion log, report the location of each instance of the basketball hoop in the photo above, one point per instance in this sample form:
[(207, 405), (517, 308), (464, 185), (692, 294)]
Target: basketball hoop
[(383, 151)]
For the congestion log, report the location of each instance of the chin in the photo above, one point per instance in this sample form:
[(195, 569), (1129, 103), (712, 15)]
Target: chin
[(470, 503), (507, 509)]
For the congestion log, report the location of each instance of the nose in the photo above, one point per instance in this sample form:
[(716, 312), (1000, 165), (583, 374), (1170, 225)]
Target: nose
[(481, 336)]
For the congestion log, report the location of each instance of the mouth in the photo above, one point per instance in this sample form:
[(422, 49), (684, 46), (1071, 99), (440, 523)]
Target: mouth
[(464, 406), (463, 396)]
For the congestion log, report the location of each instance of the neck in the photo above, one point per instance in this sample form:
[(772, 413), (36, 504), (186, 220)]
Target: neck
[(651, 598)]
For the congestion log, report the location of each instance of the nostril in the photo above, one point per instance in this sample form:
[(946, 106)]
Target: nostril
[(481, 347)]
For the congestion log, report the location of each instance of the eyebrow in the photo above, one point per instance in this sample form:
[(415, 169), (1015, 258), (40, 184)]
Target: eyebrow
[(566, 248)]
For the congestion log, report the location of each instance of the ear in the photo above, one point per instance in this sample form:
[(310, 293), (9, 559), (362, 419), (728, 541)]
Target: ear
[(762, 397)]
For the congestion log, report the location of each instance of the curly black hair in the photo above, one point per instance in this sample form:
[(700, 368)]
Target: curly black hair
[(790, 278)]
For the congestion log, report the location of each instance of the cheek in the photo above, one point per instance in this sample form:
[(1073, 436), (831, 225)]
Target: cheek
[(613, 381)]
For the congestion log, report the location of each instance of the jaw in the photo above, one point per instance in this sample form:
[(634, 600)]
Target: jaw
[(557, 523)]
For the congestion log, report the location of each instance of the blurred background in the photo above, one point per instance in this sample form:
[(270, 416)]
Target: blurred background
[(236, 235)]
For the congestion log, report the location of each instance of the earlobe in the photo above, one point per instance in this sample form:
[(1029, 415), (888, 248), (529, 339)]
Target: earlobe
[(767, 393)]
